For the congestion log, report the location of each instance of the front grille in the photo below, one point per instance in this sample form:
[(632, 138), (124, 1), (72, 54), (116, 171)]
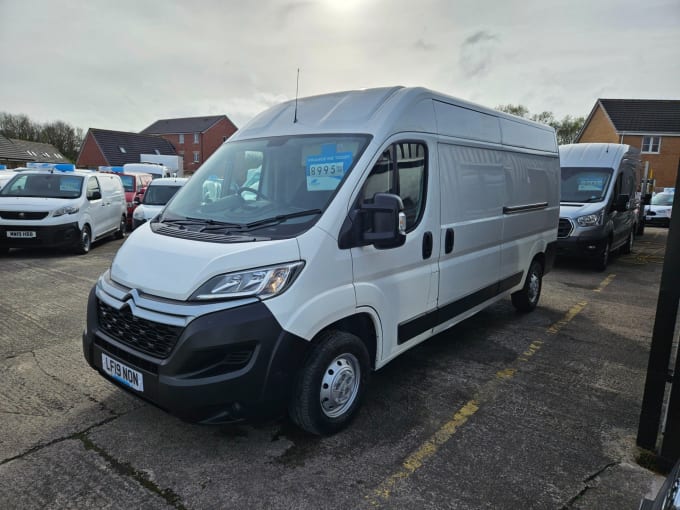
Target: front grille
[(22, 215), (126, 356), (143, 335), (564, 228)]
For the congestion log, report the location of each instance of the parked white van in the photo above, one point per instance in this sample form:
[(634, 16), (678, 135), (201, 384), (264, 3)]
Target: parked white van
[(156, 170), (599, 205), (50, 208), (378, 219), (158, 193)]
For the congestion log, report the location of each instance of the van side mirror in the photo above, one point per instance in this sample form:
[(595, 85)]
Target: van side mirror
[(380, 222), (137, 200), (95, 195), (621, 202)]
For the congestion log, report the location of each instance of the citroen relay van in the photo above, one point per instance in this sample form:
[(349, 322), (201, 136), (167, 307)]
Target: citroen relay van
[(55, 208), (346, 229), (599, 202)]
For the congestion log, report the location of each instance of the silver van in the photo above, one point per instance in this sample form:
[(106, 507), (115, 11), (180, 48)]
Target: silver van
[(599, 203)]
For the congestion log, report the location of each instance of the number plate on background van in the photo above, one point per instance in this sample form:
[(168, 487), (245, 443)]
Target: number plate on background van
[(21, 234)]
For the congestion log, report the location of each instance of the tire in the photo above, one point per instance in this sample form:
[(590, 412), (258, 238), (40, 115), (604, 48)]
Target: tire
[(122, 227), (331, 384), (85, 241), (525, 300), (628, 246), (602, 259), (640, 228), (4, 250)]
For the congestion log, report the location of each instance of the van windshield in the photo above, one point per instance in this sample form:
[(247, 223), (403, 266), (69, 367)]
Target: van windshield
[(128, 182), (281, 184), (584, 184), (44, 186), (663, 199), (159, 195)]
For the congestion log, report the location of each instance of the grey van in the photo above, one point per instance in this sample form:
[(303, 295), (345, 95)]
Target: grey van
[(598, 201)]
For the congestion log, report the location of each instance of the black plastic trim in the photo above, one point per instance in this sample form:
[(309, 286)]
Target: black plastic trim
[(515, 209), (415, 327)]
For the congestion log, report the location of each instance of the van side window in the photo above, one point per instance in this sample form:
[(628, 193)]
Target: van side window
[(401, 170), (92, 187)]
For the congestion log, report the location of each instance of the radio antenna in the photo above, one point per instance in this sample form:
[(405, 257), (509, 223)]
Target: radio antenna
[(297, 87)]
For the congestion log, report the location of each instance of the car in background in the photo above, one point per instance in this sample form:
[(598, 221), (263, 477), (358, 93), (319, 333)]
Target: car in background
[(5, 176), (47, 207), (135, 186), (658, 213), (158, 193)]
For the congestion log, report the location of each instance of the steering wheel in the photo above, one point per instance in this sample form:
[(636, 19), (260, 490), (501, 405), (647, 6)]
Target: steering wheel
[(257, 193)]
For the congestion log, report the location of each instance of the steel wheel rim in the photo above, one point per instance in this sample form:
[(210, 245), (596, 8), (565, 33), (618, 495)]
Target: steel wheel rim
[(534, 286), (85, 240), (340, 385)]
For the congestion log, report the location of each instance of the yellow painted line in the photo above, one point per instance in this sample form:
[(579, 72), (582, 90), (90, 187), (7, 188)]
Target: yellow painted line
[(427, 450), (430, 447), (415, 460), (604, 283), (573, 312)]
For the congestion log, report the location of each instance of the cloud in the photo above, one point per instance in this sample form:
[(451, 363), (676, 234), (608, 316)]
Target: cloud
[(420, 44), (477, 53)]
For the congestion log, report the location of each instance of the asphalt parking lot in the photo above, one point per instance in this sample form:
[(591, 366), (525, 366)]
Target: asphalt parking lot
[(502, 411)]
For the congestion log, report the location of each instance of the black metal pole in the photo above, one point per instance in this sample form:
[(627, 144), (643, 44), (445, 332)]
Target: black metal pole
[(662, 336)]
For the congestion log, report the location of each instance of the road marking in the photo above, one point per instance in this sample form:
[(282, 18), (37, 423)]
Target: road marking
[(573, 312), (485, 394), (604, 283)]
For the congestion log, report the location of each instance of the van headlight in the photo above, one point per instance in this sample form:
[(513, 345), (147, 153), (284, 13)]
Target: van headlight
[(69, 209), (263, 283), (590, 220)]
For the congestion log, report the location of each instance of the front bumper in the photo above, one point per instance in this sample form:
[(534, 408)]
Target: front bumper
[(66, 234), (657, 221), (580, 246), (223, 366)]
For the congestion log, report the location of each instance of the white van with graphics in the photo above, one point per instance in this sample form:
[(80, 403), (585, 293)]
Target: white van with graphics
[(345, 232), (60, 208)]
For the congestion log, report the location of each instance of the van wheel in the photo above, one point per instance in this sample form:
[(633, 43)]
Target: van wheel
[(4, 250), (525, 300), (640, 228), (120, 233), (329, 388), (628, 247), (85, 241), (602, 259)]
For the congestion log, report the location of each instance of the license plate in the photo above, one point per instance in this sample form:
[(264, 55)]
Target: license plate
[(122, 373), (21, 234)]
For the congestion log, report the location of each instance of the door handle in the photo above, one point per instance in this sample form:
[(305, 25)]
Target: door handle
[(448, 241), (427, 245)]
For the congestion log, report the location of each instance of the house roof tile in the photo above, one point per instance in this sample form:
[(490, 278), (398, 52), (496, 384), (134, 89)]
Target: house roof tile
[(40, 152), (10, 151), (183, 125), (120, 147), (643, 115)]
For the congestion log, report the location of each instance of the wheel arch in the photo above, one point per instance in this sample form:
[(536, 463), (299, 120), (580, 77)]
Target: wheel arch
[(362, 325)]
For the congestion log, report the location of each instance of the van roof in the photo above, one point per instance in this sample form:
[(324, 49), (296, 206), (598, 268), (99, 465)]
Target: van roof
[(384, 111), (169, 181), (602, 155)]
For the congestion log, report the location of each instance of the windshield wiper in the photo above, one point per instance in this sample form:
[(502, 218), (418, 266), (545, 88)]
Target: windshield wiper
[(201, 221), (274, 220)]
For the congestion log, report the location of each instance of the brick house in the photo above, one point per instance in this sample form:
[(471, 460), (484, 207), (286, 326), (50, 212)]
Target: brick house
[(40, 152), (12, 156), (103, 147), (651, 125), (194, 138)]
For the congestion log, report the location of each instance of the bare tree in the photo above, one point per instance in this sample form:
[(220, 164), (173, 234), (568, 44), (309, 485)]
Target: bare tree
[(63, 136)]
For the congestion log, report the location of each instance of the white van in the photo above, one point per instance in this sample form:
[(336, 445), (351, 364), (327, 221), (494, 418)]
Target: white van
[(378, 219), (158, 193), (50, 208), (156, 170), (599, 205)]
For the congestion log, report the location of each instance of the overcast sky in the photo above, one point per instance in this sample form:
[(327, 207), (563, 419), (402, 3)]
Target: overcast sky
[(123, 64)]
